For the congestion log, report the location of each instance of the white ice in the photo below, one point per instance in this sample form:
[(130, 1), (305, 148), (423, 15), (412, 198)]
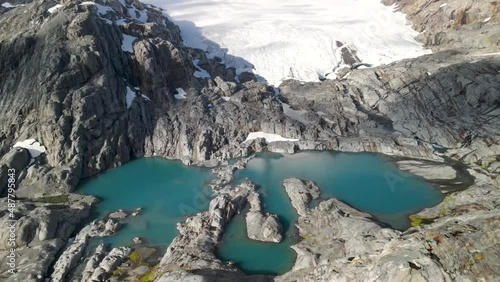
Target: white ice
[(181, 94), (7, 5), (199, 72), (55, 8), (101, 10), (279, 39), (128, 43), (269, 137), (33, 146)]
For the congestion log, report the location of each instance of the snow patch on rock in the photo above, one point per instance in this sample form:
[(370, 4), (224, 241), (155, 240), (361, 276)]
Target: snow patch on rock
[(128, 43), (130, 97), (181, 94), (7, 5), (269, 137), (101, 10), (34, 147), (54, 9)]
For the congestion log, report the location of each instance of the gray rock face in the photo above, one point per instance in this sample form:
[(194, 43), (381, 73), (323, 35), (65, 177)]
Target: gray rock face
[(69, 259), (72, 255), (41, 231), (343, 244), (399, 100), (454, 24), (262, 227), (93, 262), (16, 159), (301, 193), (109, 263)]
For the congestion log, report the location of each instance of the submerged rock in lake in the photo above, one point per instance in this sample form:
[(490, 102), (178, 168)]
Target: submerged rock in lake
[(428, 171)]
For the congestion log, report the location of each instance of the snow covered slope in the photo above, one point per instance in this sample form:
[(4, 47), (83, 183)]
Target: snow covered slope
[(279, 39)]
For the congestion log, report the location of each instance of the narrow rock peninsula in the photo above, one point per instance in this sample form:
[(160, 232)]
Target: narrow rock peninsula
[(301, 193), (261, 227)]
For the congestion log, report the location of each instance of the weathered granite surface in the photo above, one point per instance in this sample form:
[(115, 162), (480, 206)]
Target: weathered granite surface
[(301, 193), (261, 226)]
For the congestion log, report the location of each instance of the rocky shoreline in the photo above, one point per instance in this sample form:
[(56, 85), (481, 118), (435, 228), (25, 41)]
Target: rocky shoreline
[(69, 80)]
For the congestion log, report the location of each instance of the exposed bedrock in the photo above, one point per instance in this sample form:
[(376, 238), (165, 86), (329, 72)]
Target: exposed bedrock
[(455, 241), (191, 255), (301, 193), (441, 100), (262, 226), (468, 25), (42, 228)]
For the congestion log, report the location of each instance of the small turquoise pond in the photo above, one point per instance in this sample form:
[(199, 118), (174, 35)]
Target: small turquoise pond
[(365, 181), (167, 190)]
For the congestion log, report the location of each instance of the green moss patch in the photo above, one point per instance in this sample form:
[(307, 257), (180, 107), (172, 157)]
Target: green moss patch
[(419, 220), (60, 199)]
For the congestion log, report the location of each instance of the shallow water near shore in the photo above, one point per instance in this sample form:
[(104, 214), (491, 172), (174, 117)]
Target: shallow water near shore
[(169, 191), (366, 181)]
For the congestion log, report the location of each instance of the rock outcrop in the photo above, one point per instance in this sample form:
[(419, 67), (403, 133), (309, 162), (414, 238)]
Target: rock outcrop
[(42, 228), (467, 25), (191, 255), (260, 226), (301, 193), (93, 262)]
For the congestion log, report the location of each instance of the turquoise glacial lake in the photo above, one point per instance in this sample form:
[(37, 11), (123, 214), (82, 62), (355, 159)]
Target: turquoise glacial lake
[(365, 181), (169, 191)]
